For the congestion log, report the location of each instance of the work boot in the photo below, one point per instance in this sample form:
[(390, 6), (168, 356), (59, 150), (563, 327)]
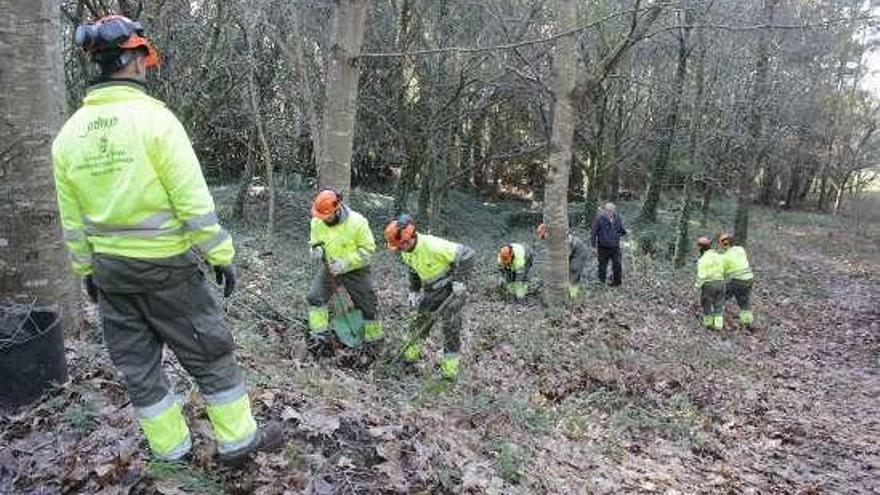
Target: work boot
[(746, 318), (708, 321), (718, 322), (373, 331), (321, 343), (449, 365), (267, 439), (412, 353)]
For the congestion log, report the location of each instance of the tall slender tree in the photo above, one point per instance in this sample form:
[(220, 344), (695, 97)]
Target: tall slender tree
[(755, 124), (340, 103), (564, 73)]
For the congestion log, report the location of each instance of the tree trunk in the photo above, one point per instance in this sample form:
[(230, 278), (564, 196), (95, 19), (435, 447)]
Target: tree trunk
[(658, 172), (841, 187), (254, 101), (33, 260), (403, 72), (683, 246), (592, 182), (755, 125), (244, 183), (340, 103), (612, 182), (563, 74)]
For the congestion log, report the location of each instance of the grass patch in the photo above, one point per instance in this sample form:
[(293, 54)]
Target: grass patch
[(183, 476), (510, 461), (82, 417), (319, 382)]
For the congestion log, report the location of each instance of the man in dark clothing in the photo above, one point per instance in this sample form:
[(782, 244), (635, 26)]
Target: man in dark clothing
[(605, 237)]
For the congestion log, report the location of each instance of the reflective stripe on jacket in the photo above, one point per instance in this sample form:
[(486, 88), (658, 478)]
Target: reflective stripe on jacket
[(129, 183), (710, 268), (350, 239), (736, 264), (432, 257)]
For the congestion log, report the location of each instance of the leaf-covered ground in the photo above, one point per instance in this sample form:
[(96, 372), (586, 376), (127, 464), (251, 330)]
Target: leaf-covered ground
[(621, 393)]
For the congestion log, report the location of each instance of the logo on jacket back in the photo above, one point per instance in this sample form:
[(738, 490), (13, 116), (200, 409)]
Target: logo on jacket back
[(99, 124)]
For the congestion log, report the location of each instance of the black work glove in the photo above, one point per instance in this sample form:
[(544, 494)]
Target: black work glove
[(91, 288), (225, 277)]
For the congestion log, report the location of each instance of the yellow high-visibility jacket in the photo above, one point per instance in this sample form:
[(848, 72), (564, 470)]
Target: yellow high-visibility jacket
[(129, 183), (517, 268), (710, 268), (433, 259), (736, 264), (350, 239)]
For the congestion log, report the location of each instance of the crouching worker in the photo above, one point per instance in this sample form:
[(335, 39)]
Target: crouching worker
[(738, 275), (710, 282), (578, 254), (514, 263), (134, 208), (342, 243), (437, 270)]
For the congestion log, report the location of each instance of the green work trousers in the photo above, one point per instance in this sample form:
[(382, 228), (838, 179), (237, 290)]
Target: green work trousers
[(358, 283), (451, 318), (712, 298), (741, 290), (147, 304), (577, 261)]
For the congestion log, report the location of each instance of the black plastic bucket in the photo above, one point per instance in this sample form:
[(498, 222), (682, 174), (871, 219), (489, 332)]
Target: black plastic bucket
[(31, 354)]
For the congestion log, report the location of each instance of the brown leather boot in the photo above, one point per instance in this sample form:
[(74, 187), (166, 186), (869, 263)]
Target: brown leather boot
[(267, 439)]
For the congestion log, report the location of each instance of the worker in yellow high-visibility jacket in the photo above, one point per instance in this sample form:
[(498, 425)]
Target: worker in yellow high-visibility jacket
[(514, 263), (340, 238), (710, 283), (738, 275), (134, 207), (438, 269)]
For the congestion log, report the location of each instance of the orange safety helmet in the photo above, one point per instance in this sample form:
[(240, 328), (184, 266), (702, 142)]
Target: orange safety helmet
[(398, 231), (725, 239), (505, 255), (327, 204), (115, 32), (704, 241), (541, 231)]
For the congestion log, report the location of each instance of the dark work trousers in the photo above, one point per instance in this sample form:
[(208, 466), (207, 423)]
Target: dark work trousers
[(712, 298), (577, 261), (606, 254), (451, 317), (358, 283), (146, 304), (741, 290)]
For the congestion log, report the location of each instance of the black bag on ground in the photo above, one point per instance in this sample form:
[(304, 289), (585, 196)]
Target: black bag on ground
[(31, 353)]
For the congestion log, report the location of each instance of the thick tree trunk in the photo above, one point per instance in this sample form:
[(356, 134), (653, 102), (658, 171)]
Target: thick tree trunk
[(33, 260), (340, 103), (563, 77), (755, 125)]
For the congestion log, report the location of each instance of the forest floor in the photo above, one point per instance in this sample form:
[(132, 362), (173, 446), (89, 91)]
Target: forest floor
[(623, 392)]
